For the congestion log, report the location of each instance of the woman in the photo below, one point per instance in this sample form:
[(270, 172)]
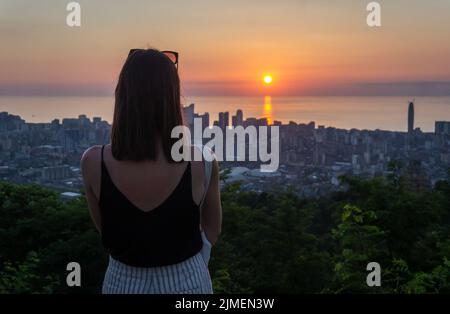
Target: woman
[(157, 217)]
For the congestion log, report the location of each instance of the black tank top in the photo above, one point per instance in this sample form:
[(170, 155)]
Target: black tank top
[(166, 235)]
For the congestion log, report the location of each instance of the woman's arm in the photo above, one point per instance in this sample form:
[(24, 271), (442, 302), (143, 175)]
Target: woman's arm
[(90, 165), (212, 207)]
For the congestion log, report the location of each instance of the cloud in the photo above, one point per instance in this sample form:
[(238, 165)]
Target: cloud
[(405, 88), (56, 90)]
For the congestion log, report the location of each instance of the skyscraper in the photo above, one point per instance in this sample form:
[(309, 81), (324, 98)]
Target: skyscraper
[(442, 127), (226, 116), (224, 120), (221, 121), (188, 114), (411, 117), (239, 117)]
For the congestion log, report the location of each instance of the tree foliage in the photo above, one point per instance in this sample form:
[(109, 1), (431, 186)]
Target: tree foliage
[(271, 242)]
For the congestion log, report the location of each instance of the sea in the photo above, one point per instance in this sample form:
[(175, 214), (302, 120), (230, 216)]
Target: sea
[(385, 113)]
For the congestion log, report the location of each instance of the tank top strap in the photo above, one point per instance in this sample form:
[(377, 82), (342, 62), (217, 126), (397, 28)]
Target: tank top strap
[(102, 163), (104, 176), (103, 149)]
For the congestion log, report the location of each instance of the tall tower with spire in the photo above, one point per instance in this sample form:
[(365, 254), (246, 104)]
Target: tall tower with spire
[(411, 117)]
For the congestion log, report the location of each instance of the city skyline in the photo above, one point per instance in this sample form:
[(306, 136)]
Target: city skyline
[(266, 112), (311, 157), (227, 119)]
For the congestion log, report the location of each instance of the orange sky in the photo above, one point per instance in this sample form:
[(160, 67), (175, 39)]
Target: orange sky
[(309, 47)]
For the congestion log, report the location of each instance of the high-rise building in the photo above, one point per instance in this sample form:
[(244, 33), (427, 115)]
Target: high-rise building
[(239, 117), (411, 117), (233, 121), (84, 120), (205, 120), (441, 127), (263, 122), (9, 122), (188, 114), (226, 117), (224, 120), (70, 123), (221, 121), (250, 121)]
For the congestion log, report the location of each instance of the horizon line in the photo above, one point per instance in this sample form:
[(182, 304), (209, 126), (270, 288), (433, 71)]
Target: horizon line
[(399, 88)]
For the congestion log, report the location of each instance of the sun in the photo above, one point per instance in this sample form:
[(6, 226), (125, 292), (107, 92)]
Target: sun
[(267, 79)]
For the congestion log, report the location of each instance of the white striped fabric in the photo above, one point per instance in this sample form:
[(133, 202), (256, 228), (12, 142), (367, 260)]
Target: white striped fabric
[(188, 277)]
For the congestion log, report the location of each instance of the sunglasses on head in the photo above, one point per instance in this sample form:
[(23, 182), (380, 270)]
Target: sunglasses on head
[(172, 55)]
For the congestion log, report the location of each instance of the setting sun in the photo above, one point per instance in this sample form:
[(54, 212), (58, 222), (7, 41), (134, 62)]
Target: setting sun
[(267, 79)]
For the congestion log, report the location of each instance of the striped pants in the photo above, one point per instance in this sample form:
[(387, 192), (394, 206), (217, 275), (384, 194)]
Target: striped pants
[(189, 276)]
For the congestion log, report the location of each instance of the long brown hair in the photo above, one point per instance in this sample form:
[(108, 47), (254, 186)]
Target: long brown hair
[(147, 107)]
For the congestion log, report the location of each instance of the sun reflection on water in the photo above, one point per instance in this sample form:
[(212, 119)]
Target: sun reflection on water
[(267, 109)]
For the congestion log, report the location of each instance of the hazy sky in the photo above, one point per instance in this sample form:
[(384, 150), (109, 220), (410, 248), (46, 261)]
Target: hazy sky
[(310, 47)]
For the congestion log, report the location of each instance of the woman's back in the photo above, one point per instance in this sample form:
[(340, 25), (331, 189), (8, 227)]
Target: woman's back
[(155, 214), (148, 183), (149, 216), (154, 238)]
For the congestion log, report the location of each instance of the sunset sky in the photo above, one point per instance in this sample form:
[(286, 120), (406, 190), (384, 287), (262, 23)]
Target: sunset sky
[(314, 47)]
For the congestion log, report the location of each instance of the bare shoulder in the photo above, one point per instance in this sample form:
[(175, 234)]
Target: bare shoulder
[(91, 157)]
